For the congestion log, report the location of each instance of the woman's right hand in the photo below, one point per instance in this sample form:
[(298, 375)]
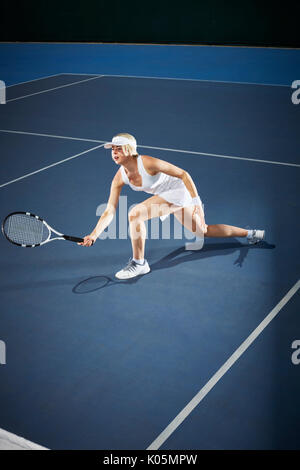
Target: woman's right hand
[(88, 240)]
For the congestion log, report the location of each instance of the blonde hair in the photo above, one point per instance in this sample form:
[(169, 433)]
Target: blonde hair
[(129, 149)]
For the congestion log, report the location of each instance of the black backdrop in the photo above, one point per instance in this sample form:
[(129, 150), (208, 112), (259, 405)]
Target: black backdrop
[(250, 23)]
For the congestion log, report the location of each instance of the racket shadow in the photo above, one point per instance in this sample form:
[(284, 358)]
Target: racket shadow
[(94, 283)]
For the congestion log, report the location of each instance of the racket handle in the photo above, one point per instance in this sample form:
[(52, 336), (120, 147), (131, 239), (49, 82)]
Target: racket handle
[(73, 239)]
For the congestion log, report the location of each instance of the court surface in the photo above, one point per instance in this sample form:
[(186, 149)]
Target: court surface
[(97, 363)]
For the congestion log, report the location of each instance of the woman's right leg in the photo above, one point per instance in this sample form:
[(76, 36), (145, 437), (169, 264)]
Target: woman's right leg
[(152, 207)]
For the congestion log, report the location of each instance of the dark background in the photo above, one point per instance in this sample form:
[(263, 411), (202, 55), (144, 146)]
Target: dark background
[(249, 23)]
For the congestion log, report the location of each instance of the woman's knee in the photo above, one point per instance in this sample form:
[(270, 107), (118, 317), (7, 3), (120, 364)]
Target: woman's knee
[(138, 214), (199, 223)]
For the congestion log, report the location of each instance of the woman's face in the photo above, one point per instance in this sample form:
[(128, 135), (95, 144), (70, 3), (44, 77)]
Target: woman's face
[(118, 154)]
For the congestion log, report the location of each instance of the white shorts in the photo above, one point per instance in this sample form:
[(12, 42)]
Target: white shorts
[(179, 197)]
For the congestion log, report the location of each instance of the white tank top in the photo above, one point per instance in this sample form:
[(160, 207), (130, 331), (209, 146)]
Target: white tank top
[(156, 184)]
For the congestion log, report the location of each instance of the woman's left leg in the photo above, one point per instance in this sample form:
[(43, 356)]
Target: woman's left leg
[(195, 223), (225, 231)]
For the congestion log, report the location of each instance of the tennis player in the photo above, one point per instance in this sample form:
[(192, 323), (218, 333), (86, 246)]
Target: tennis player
[(173, 192)]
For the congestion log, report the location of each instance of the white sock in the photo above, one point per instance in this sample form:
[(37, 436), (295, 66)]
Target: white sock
[(250, 234), (138, 261)]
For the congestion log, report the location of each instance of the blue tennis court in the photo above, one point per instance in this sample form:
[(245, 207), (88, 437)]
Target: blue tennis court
[(97, 363)]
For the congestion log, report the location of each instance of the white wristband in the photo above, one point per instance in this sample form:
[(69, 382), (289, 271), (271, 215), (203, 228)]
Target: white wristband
[(196, 201)]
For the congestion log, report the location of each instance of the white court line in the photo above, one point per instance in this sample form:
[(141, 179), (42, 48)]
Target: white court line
[(182, 79), (51, 89), (50, 166), (36, 79), (53, 136), (51, 76), (166, 433), (9, 441), (158, 148), (221, 156)]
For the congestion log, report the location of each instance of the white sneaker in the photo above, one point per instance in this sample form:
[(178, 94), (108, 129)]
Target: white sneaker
[(257, 236), (133, 269)]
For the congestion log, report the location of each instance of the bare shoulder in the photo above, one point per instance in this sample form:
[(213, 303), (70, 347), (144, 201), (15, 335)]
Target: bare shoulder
[(155, 165), (117, 179), (151, 164)]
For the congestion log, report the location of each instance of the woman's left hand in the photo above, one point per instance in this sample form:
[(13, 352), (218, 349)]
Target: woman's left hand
[(196, 211)]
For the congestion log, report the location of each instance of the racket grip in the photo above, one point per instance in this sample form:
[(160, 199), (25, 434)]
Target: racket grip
[(73, 239)]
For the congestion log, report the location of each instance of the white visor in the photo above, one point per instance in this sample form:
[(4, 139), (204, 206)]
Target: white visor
[(118, 141)]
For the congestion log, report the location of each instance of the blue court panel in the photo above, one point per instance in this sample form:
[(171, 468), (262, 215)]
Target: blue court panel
[(22, 62), (108, 367), (254, 410), (24, 154), (254, 121), (42, 84)]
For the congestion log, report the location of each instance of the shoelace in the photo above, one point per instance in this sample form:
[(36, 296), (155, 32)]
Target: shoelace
[(131, 265)]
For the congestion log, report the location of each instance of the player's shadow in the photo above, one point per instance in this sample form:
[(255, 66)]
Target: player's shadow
[(178, 256)]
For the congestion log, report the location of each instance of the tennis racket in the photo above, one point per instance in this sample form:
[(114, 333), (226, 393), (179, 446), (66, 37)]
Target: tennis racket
[(29, 230)]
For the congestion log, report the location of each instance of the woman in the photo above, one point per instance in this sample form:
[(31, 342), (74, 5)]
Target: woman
[(173, 192)]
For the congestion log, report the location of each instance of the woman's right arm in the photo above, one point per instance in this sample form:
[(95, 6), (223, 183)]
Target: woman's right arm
[(108, 214)]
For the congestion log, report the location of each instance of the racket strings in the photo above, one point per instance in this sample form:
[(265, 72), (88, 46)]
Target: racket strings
[(25, 229)]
